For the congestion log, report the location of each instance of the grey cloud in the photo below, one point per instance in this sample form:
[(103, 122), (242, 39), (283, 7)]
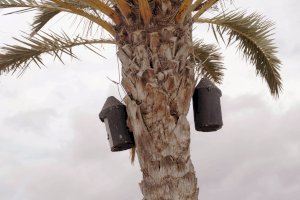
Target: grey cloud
[(32, 120), (238, 162), (255, 156)]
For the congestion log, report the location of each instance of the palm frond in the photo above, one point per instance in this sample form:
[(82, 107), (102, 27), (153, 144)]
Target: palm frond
[(42, 18), (46, 11), (125, 9), (196, 5), (16, 3), (206, 5), (252, 33), (200, 4), (132, 154), (145, 11), (76, 10), (26, 5), (19, 57), (44, 15), (73, 7), (183, 10), (102, 7), (208, 61)]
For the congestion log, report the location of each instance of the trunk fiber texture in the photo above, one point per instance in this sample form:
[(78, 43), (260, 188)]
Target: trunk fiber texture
[(159, 81)]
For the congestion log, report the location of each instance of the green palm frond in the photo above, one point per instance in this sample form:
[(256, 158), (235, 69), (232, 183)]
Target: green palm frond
[(44, 14), (77, 10), (199, 4), (46, 11), (208, 61), (71, 6), (42, 18), (18, 57), (16, 3), (24, 5), (204, 7), (252, 33)]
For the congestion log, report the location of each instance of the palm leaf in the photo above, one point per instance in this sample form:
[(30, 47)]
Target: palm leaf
[(208, 61), (252, 33), (44, 15), (74, 7), (104, 8), (196, 5), (145, 11), (94, 18), (206, 5), (26, 5), (46, 11), (18, 57), (42, 18), (125, 9), (183, 10)]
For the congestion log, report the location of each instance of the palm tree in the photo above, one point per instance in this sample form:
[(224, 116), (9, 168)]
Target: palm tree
[(161, 63)]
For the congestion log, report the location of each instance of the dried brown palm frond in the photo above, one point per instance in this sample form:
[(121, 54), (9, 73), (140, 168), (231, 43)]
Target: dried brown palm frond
[(252, 33), (145, 11), (201, 6), (18, 57), (125, 9), (132, 155), (183, 10), (208, 61)]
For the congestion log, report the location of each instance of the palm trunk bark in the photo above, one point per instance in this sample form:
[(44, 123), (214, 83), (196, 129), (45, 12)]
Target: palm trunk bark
[(159, 81)]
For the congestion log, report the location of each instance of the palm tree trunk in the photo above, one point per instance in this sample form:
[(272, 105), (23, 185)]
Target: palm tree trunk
[(159, 81)]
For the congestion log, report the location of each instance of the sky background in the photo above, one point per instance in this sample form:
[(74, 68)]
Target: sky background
[(53, 146)]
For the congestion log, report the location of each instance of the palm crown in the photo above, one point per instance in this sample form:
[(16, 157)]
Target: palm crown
[(251, 33)]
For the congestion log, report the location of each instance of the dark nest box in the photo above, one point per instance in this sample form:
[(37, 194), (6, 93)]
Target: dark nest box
[(207, 106), (114, 115)]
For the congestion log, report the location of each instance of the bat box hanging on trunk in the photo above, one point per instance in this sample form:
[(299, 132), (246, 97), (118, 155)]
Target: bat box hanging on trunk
[(114, 115), (207, 106)]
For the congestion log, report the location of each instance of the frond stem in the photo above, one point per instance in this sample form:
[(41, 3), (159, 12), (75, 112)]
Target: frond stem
[(183, 11), (125, 10), (207, 5), (195, 5), (145, 11), (104, 9), (72, 9)]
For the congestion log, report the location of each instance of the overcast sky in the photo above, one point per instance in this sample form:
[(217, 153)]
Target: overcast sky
[(53, 147)]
